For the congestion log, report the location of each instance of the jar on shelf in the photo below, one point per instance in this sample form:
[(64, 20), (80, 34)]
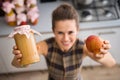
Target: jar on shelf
[(33, 15), (21, 19), (19, 6), (18, 3), (31, 3), (10, 15)]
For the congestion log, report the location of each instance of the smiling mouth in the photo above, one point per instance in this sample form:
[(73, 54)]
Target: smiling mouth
[(66, 44)]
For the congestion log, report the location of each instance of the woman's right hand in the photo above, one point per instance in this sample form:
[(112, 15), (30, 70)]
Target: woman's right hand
[(17, 53)]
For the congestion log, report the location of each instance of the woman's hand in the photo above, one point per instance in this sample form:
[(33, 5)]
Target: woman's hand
[(104, 57), (17, 58), (104, 50), (17, 53)]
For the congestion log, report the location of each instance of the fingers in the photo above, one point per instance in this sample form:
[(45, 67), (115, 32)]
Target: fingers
[(14, 47), (103, 51), (17, 53), (106, 45), (106, 41), (99, 55)]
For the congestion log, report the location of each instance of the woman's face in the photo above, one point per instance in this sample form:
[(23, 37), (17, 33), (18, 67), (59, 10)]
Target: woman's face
[(65, 33)]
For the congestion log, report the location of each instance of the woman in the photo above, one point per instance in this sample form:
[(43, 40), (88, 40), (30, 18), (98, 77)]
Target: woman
[(64, 53)]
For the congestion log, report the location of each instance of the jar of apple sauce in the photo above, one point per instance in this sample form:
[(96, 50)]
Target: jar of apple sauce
[(25, 41)]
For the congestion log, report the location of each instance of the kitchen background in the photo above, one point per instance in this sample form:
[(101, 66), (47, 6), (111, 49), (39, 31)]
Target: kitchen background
[(99, 17)]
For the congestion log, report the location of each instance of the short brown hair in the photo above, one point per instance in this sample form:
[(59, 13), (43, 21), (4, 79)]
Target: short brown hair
[(65, 12)]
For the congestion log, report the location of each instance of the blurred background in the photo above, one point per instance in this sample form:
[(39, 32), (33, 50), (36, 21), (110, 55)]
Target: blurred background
[(99, 17)]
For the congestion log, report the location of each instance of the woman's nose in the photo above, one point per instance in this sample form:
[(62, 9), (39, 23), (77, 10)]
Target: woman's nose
[(66, 37)]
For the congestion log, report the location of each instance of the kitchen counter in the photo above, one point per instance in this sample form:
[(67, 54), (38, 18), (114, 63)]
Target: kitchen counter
[(44, 25)]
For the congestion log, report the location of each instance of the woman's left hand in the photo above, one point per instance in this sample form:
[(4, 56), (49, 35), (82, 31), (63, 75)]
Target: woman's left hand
[(104, 50)]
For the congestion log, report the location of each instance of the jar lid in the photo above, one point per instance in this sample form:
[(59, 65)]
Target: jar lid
[(7, 6), (24, 29)]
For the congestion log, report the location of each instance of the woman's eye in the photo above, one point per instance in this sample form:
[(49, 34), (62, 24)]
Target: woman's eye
[(71, 32), (60, 33)]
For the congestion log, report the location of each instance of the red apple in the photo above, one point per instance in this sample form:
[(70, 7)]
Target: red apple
[(94, 43)]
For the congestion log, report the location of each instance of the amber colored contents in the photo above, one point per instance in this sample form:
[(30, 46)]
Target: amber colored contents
[(27, 46), (17, 5), (35, 22), (32, 5), (12, 23), (10, 13)]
